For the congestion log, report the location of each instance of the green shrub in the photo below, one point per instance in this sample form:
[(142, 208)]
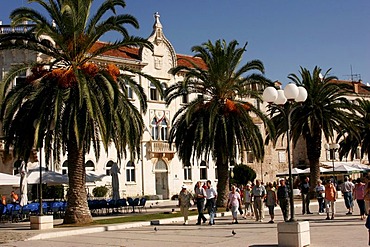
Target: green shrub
[(100, 191)]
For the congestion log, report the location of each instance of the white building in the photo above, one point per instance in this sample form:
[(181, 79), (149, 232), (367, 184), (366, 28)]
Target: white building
[(158, 170)]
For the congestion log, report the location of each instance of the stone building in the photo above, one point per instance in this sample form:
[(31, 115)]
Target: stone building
[(158, 170)]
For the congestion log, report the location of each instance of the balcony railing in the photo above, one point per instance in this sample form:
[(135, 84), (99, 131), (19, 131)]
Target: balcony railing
[(161, 147), (17, 29)]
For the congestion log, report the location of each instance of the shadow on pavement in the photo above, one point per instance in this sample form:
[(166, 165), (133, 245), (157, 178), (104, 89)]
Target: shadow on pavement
[(263, 245)]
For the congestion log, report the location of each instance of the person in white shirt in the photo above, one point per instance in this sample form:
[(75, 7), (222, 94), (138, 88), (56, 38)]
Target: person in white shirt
[(247, 200), (211, 202)]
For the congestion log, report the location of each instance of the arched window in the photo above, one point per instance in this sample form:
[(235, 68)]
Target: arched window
[(154, 127), (108, 166), (160, 166), (203, 170), (164, 129), (89, 166), (130, 172), (65, 167)]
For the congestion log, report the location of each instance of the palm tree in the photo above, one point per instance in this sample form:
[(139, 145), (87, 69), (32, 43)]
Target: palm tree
[(351, 139), (322, 114), (218, 122), (69, 104)]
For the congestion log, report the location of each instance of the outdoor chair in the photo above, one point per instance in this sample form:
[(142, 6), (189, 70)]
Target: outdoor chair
[(15, 213), (122, 204), (133, 203), (112, 204), (2, 213), (55, 209), (142, 204), (26, 211)]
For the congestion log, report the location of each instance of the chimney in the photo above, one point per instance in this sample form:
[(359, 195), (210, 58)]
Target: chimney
[(355, 86)]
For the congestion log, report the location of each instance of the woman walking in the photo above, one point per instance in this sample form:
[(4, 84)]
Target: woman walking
[(359, 194), (320, 189), (271, 200), (234, 203)]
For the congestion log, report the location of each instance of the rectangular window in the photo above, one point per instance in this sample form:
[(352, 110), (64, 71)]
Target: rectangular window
[(187, 172), (185, 99), (130, 175), (203, 173), (282, 157)]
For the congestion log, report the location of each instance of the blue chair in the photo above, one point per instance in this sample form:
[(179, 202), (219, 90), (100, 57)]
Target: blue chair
[(122, 204), (2, 212), (133, 203), (142, 204), (15, 214)]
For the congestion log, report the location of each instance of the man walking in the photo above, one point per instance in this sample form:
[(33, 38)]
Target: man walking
[(211, 202), (283, 197), (184, 202), (200, 196), (347, 189), (305, 192), (258, 193)]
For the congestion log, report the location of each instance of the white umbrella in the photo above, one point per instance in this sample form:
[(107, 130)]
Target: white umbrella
[(114, 170), (345, 168), (295, 171), (322, 170), (24, 184), (51, 177), (6, 179)]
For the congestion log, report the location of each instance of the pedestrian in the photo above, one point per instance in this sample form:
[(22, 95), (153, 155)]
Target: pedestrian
[(259, 194), (233, 203), (320, 191), (367, 196), (347, 189), (271, 200), (200, 196), (247, 200), (283, 197), (14, 197), (358, 195), (211, 202), (185, 198), (367, 224), (330, 198), (305, 194)]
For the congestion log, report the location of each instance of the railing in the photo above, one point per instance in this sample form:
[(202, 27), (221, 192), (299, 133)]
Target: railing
[(17, 29), (161, 147)]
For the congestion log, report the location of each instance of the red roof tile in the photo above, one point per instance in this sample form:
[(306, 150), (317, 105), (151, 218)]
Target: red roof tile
[(362, 88), (123, 52), (183, 60)]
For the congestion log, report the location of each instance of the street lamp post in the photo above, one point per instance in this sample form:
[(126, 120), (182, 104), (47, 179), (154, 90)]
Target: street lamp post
[(332, 148), (292, 93)]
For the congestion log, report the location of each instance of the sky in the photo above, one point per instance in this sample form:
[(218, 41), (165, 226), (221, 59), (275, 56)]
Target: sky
[(284, 35)]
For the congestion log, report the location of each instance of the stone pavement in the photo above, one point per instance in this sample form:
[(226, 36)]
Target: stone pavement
[(343, 231)]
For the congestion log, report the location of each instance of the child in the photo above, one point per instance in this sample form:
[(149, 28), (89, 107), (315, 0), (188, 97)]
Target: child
[(367, 224)]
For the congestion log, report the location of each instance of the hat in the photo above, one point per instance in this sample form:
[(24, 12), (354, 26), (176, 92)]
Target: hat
[(184, 186)]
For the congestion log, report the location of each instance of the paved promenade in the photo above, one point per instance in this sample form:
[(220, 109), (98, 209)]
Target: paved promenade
[(343, 231)]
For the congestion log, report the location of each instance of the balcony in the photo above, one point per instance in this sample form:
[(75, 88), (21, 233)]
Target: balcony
[(161, 149)]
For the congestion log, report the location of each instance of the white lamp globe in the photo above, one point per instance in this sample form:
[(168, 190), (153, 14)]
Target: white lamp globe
[(281, 99), (270, 94), (336, 146), (291, 91), (302, 96), (326, 146)]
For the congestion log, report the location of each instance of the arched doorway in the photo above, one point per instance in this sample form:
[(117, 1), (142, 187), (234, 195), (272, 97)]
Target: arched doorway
[(161, 179)]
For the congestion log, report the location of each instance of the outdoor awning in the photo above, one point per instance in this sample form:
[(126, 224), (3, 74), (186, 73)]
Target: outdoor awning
[(7, 179), (295, 171)]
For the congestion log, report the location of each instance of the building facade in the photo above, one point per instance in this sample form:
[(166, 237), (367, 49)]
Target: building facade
[(158, 171)]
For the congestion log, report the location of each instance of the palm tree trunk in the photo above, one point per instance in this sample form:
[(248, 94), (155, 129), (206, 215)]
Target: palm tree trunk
[(313, 146), (77, 211), (223, 183)]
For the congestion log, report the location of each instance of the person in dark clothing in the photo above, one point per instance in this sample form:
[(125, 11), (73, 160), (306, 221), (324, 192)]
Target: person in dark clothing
[(200, 196), (305, 192), (283, 198)]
